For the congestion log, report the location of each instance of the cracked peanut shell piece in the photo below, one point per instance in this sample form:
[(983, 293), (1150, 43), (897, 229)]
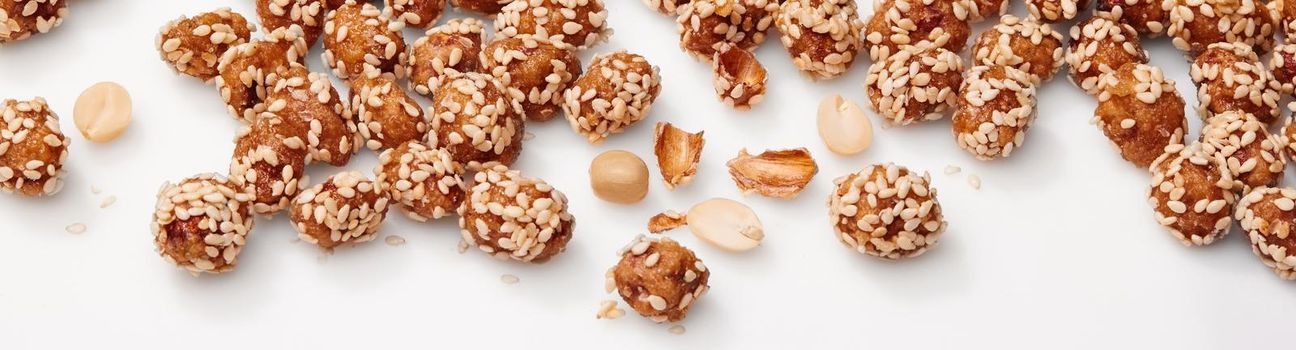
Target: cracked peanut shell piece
[(898, 23), (1025, 44), (386, 117), (996, 107), (678, 154), (658, 278), (917, 84), (1148, 17), (1230, 77), (512, 216), (534, 71), (887, 211), (194, 46), (473, 118), (666, 7), (1282, 65), (244, 68), (1099, 46), (739, 78), (614, 93), (1049, 11), (705, 26), (1252, 155), (345, 209), (269, 160), (358, 38), (32, 148), (822, 36), (314, 111), (201, 223), (1191, 194), (453, 46), (306, 14), (426, 182), (19, 19), (484, 7), (1196, 24), (774, 173), (1140, 111), (422, 14), (570, 24), (1266, 215)]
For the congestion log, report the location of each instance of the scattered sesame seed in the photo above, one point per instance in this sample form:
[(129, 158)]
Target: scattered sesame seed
[(77, 228), (951, 169), (509, 279), (108, 202), (974, 181), (394, 240), (676, 329)]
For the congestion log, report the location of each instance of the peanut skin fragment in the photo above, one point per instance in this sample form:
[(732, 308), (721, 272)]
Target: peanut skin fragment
[(666, 221), (678, 153), (774, 173)]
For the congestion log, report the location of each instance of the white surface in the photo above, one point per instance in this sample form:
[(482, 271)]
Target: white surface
[(1058, 249)]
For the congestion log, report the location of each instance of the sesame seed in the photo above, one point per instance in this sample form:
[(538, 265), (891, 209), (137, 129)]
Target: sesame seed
[(509, 279), (77, 228)]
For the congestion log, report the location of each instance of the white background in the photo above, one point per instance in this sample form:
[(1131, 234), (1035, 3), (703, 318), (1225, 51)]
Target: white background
[(1057, 250)]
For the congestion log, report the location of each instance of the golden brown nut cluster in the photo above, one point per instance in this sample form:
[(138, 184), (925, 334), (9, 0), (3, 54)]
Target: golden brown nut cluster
[(896, 23), (1099, 46), (201, 223), (534, 71), (473, 118), (996, 106), (385, 115), (270, 160), (1026, 44), (1253, 156), (32, 148), (1196, 24), (454, 45), (666, 7), (1146, 16), (425, 181), (359, 39), (346, 208), (886, 211), (1191, 194), (422, 14), (1140, 112), (659, 278), (919, 83), (1266, 215), (1049, 11), (244, 68), (306, 14), (705, 25), (312, 109), (578, 24), (822, 36), (616, 91), (194, 46), (19, 19), (1230, 77), (1282, 64), (485, 7), (739, 78), (512, 216)]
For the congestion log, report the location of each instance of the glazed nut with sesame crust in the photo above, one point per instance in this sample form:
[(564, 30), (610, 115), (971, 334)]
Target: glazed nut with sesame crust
[(1289, 134), (270, 160), (572, 24), (739, 78), (346, 208), (32, 148), (1050, 11), (19, 19), (980, 10), (887, 211), (426, 182), (534, 71), (455, 45), (1191, 194), (201, 223), (1099, 46), (1140, 111), (1148, 17), (1282, 65), (705, 25), (666, 7), (1285, 11), (306, 14), (1025, 44), (484, 7), (422, 14), (659, 278), (244, 68), (614, 93), (1253, 156), (358, 37), (996, 106), (194, 46), (1196, 24), (896, 23), (386, 117), (312, 109), (1230, 77), (919, 83), (511, 216), (1266, 215), (822, 36), (474, 118)]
